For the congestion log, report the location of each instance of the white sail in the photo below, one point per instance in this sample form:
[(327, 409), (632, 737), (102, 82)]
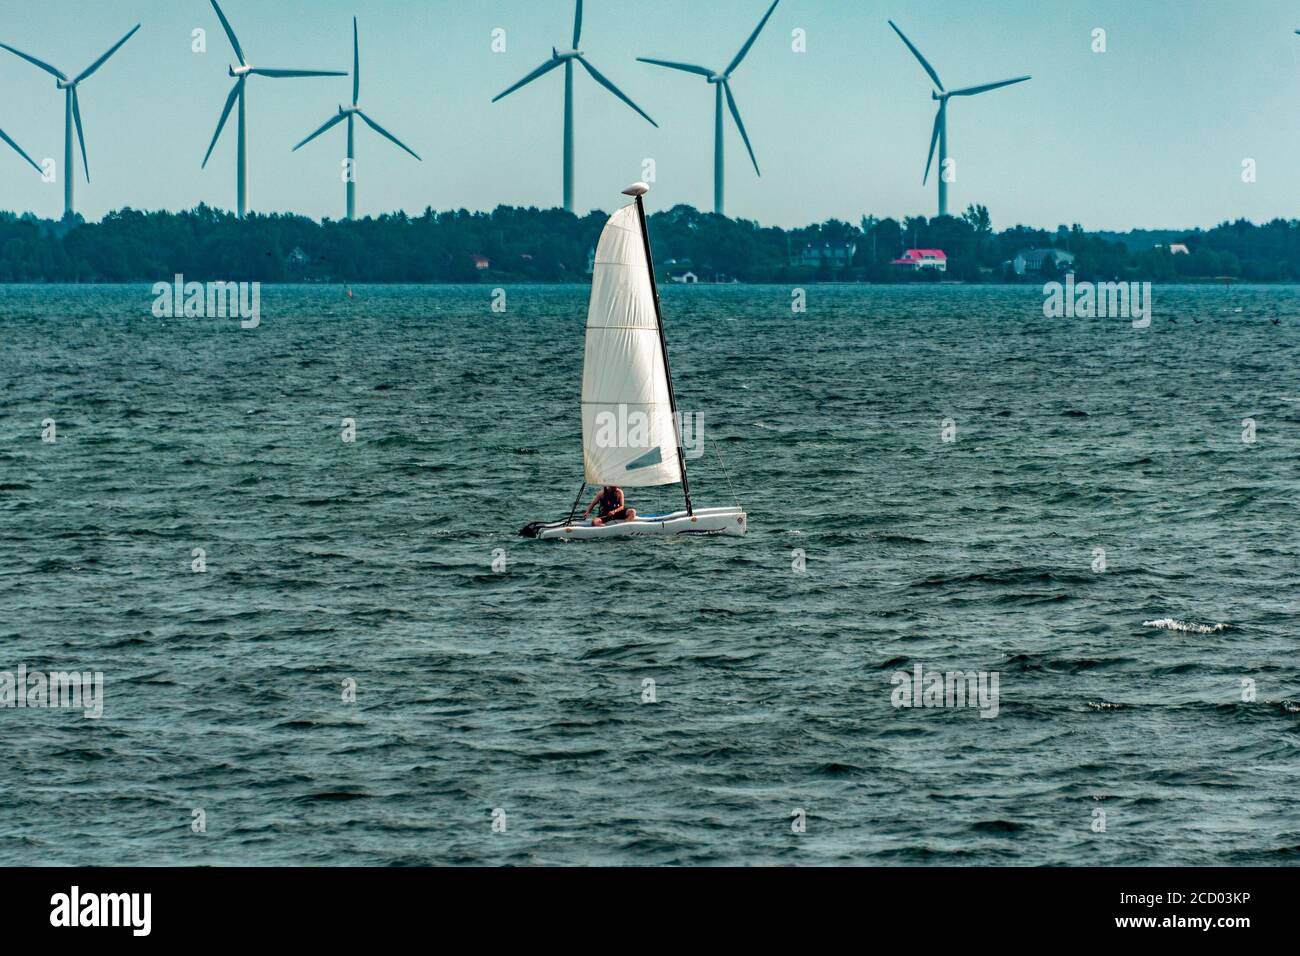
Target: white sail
[(628, 433)]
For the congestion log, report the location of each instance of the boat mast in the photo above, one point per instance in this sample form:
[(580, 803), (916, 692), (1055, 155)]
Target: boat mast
[(639, 190)]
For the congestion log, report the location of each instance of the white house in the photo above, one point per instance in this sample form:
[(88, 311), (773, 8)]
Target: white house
[(917, 259), (1032, 261)]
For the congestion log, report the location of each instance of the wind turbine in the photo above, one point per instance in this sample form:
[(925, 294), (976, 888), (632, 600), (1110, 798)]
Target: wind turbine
[(940, 134), (241, 74), (567, 58), (350, 113), (71, 114), (723, 83)]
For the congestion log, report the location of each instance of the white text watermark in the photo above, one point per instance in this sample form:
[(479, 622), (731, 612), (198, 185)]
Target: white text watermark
[(209, 300), (946, 689), (82, 690), (1100, 300)]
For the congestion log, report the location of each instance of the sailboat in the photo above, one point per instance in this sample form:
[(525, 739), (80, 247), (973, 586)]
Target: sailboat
[(631, 430)]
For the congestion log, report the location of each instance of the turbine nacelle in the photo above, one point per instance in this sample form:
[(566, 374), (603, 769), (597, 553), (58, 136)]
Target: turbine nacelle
[(237, 71), (349, 110), (65, 84), (718, 78), (563, 55)]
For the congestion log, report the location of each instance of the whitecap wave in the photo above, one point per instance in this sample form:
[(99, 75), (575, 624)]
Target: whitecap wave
[(1187, 627)]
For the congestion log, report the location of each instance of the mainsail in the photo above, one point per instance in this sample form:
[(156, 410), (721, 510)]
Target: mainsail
[(629, 437)]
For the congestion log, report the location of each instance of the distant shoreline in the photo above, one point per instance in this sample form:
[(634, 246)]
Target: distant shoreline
[(549, 246)]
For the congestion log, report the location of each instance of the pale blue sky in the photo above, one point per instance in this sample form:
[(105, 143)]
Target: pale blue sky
[(1150, 133)]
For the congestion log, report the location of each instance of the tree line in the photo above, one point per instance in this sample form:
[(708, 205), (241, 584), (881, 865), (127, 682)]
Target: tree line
[(550, 245)]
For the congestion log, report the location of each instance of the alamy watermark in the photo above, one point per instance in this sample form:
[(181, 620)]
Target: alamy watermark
[(129, 910), (634, 428), (82, 690), (1101, 300), (209, 300), (946, 689)]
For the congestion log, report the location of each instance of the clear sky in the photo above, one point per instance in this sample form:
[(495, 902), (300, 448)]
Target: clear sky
[(1151, 133)]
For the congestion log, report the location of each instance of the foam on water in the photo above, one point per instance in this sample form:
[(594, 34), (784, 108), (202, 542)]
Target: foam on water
[(1187, 627)]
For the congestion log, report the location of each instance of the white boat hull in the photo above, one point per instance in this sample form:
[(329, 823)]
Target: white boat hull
[(731, 522)]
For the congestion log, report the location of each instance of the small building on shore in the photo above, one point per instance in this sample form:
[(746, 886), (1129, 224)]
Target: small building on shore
[(832, 255), (914, 260), (1034, 261)]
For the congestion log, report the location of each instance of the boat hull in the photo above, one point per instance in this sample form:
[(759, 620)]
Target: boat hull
[(705, 522)]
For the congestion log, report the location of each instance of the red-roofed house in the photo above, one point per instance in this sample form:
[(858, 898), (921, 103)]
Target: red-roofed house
[(918, 259)]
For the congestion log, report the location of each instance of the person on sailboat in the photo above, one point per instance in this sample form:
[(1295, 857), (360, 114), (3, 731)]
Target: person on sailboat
[(612, 506)]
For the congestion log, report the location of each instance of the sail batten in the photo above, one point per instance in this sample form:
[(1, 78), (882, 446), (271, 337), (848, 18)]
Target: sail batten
[(629, 436)]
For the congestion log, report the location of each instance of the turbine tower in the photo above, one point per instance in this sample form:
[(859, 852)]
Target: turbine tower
[(723, 83), (241, 74), (940, 134), (567, 58), (350, 113), (71, 115)]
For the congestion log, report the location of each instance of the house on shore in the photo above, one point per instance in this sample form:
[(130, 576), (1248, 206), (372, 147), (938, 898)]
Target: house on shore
[(832, 255), (914, 260), (681, 271), (1034, 261)]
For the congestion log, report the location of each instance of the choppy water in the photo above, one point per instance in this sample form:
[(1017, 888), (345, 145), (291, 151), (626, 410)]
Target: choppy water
[(1120, 690)]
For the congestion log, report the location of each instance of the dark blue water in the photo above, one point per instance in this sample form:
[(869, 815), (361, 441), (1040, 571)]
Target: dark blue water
[(520, 690)]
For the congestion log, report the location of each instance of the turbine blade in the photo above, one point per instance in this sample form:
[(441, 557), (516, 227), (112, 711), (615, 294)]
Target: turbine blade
[(917, 53), (577, 25), (230, 34), (221, 123), (685, 67), (972, 90), (356, 63), (541, 70), (330, 124), (750, 42), (735, 114), (31, 59), (387, 135), (934, 139), (101, 61), (286, 74), (19, 150), (604, 81), (81, 136)]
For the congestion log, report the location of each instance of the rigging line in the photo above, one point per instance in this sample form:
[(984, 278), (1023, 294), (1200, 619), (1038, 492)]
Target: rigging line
[(734, 497)]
